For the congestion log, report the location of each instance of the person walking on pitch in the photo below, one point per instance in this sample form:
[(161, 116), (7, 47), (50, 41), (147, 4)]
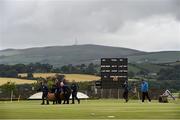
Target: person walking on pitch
[(74, 90), (144, 90)]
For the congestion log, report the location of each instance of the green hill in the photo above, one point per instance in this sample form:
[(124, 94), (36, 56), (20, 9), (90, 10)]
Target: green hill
[(61, 55), (153, 68), (156, 57), (78, 54)]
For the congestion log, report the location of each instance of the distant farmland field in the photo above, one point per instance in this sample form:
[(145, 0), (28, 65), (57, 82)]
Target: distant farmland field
[(70, 77), (17, 81)]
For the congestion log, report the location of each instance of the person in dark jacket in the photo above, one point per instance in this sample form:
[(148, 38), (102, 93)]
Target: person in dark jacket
[(144, 90), (44, 90), (74, 90), (58, 91), (54, 90), (126, 91), (66, 91)]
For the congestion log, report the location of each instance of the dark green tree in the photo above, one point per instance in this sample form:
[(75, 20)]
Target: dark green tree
[(9, 87), (29, 75), (131, 74), (91, 69)]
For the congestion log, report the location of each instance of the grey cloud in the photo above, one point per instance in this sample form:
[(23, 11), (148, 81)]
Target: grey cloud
[(43, 22)]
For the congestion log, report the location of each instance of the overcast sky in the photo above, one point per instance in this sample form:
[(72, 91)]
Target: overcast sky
[(148, 25)]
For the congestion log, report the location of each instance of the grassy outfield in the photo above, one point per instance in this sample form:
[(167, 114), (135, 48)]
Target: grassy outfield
[(91, 109), (70, 77), (17, 81)]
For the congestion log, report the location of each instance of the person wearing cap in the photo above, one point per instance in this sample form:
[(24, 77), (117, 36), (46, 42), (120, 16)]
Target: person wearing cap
[(144, 90), (74, 90)]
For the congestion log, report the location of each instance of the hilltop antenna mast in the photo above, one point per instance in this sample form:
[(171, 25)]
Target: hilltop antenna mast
[(76, 41)]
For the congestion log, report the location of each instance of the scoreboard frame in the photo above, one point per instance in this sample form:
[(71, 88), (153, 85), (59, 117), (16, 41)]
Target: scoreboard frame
[(114, 72)]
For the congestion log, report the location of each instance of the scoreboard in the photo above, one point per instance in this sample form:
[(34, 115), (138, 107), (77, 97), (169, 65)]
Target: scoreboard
[(114, 72)]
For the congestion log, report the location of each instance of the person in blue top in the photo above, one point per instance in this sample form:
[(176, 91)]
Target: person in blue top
[(144, 90)]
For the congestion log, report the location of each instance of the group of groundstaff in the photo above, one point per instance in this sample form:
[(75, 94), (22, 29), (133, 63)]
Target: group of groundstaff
[(59, 92), (144, 92)]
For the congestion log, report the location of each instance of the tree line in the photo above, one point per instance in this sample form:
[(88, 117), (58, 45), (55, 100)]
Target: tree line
[(172, 73), (14, 70), (91, 68)]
